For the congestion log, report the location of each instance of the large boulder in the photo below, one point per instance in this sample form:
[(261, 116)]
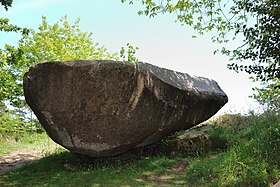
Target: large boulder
[(104, 108)]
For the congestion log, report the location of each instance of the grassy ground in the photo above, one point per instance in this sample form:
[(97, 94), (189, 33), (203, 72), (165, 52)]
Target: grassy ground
[(26, 142), (252, 158)]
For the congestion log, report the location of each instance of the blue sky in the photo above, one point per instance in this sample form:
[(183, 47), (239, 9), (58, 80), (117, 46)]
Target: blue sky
[(161, 40)]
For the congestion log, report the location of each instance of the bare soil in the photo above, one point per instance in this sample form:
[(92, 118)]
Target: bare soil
[(17, 159)]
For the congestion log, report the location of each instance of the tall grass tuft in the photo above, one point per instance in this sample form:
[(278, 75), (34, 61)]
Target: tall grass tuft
[(252, 157)]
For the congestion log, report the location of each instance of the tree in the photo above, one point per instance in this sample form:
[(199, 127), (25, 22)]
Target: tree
[(5, 78), (7, 27), (128, 53), (269, 95), (6, 3), (60, 41), (257, 21), (4, 22)]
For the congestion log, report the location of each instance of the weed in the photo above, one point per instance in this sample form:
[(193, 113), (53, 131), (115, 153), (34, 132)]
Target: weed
[(251, 158)]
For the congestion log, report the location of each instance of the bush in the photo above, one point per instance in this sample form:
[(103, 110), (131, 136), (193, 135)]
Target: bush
[(11, 123)]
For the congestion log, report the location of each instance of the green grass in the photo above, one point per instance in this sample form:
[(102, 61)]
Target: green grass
[(66, 169), (26, 142), (251, 158)]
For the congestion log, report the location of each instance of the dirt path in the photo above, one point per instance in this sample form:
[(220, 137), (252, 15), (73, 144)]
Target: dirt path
[(171, 177), (16, 159)]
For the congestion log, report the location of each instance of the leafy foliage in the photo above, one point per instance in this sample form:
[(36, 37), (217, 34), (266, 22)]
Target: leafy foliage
[(269, 95), (60, 41), (262, 40), (128, 53), (4, 22), (7, 27), (14, 121), (9, 122), (258, 22), (6, 3)]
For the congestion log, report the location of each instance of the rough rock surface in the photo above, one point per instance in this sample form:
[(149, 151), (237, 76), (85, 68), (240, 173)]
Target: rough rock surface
[(104, 108), (194, 140)]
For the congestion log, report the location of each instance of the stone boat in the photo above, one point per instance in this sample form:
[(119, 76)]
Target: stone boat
[(104, 108)]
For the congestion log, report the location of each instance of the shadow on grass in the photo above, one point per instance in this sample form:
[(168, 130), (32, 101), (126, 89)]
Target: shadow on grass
[(250, 159), (155, 165), (67, 169)]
